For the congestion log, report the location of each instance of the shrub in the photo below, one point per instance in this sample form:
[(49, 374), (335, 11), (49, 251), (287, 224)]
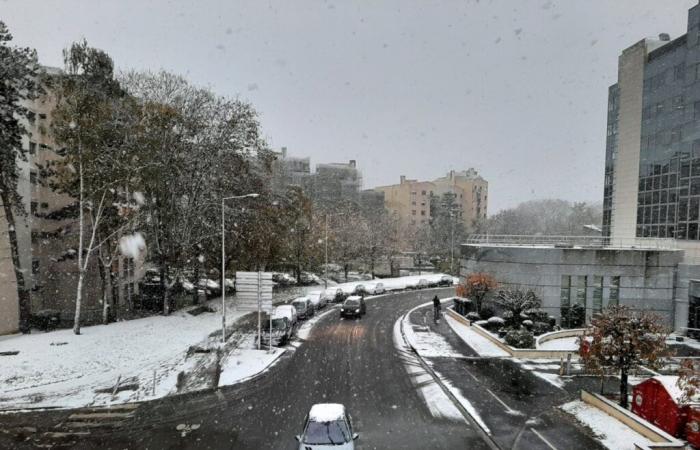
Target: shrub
[(487, 312), (481, 323), (520, 339), (541, 328), (473, 317), (495, 323), (527, 323)]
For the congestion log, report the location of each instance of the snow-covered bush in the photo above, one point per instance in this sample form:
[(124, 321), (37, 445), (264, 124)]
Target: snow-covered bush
[(495, 323), (473, 317), (481, 323), (527, 323), (487, 312), (520, 339), (541, 328)]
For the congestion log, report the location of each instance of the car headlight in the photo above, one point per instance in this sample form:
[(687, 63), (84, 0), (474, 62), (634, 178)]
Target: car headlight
[(342, 309), (357, 310)]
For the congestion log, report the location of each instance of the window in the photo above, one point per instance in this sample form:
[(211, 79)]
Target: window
[(33, 207), (44, 205), (35, 266), (413, 213), (42, 116), (422, 193), (581, 290), (678, 102), (614, 296), (565, 294), (422, 213), (659, 108), (32, 177), (32, 148), (597, 293), (696, 110), (679, 71)]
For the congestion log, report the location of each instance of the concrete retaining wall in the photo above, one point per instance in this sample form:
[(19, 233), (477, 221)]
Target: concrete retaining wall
[(515, 352)]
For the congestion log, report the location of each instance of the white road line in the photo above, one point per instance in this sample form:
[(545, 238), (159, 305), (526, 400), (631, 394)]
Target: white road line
[(471, 375), (549, 444), (499, 400)]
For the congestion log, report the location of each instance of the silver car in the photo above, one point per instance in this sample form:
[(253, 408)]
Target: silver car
[(327, 426)]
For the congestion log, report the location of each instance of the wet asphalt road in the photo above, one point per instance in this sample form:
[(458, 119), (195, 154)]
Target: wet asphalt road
[(520, 409), (353, 362)]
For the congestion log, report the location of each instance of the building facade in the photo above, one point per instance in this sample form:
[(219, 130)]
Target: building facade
[(410, 199)]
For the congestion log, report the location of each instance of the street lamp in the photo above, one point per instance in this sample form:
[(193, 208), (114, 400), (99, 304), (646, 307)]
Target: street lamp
[(223, 262)]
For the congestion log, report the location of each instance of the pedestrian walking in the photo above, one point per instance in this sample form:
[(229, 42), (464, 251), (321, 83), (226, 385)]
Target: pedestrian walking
[(436, 309)]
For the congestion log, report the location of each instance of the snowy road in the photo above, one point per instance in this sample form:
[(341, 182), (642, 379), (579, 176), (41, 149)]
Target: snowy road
[(351, 362)]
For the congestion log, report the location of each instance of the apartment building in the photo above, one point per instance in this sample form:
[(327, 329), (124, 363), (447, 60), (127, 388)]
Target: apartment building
[(410, 200)]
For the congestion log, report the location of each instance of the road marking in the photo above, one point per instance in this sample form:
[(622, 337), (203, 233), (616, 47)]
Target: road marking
[(509, 410), (549, 444)]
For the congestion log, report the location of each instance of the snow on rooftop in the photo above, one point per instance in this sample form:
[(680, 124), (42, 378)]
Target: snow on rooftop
[(326, 412), (670, 383)]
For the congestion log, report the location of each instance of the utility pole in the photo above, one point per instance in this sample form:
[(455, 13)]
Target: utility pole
[(325, 267)]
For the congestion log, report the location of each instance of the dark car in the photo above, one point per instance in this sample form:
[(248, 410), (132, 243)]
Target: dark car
[(446, 280), (353, 306), (304, 306)]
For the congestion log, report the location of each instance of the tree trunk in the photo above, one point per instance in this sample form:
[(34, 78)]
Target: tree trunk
[(195, 299), (164, 289), (113, 283), (623, 387), (79, 293), (346, 267), (22, 291), (103, 287)]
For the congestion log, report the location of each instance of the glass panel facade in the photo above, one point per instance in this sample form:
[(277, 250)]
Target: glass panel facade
[(597, 285), (614, 296)]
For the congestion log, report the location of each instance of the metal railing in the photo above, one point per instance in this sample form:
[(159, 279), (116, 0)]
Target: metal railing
[(572, 241)]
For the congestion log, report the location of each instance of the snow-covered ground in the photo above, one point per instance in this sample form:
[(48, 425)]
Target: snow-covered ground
[(612, 433), (247, 361), (565, 344), (61, 369), (477, 342)]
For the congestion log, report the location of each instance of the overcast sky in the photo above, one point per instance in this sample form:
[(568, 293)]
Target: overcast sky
[(515, 89)]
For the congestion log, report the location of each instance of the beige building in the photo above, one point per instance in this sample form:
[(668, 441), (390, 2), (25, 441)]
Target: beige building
[(410, 199), (48, 239)]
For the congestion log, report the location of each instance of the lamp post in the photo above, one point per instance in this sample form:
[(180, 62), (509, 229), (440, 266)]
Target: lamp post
[(223, 261)]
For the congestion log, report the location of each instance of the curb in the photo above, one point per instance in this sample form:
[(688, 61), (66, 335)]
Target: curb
[(493, 445)]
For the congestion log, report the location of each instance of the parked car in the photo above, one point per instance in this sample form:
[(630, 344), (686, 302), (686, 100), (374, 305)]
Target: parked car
[(353, 306), (327, 425), (304, 307), (283, 279), (210, 286), (375, 289), (288, 311), (423, 284), (446, 280), (317, 299), (334, 295), (359, 289), (281, 330)]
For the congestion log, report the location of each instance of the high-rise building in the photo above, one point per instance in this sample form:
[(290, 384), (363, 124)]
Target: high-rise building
[(652, 163)]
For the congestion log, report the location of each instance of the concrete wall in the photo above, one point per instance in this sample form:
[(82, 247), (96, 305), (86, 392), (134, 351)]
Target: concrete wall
[(647, 277), (9, 304)]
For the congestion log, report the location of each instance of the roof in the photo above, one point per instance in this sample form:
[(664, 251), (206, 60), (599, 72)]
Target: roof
[(670, 383), (300, 299), (326, 412)]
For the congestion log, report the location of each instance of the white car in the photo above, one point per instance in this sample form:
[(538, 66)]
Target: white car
[(327, 426), (288, 311), (317, 299), (375, 289)]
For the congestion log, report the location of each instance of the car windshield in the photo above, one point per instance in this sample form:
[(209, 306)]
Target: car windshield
[(324, 433), (351, 304), (300, 306), (279, 324)]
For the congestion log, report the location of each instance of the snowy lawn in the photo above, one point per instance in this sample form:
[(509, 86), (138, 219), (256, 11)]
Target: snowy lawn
[(477, 342), (247, 361), (60, 369), (612, 433), (565, 344)]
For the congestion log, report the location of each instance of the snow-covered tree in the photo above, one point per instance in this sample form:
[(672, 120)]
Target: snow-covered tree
[(620, 340), (19, 82), (515, 302)]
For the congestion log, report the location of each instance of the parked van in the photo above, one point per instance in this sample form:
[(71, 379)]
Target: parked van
[(282, 328), (288, 311)]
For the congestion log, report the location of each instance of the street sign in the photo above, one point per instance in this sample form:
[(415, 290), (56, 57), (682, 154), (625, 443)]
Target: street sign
[(254, 291)]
